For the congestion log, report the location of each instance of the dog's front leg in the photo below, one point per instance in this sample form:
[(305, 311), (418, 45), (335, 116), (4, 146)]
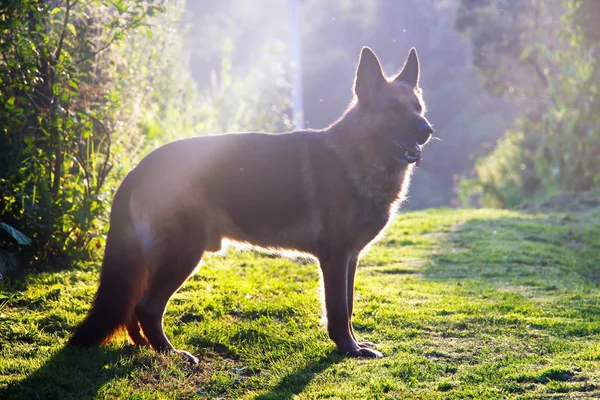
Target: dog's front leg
[(334, 265), (352, 264)]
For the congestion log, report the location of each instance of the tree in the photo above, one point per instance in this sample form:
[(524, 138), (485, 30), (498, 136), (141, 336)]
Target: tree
[(544, 56)]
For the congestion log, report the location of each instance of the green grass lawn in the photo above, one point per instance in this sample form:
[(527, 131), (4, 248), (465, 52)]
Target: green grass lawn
[(464, 303)]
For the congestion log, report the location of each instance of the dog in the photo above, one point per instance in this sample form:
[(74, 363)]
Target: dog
[(325, 193)]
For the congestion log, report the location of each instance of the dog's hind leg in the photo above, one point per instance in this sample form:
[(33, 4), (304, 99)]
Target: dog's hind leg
[(184, 248), (135, 331)]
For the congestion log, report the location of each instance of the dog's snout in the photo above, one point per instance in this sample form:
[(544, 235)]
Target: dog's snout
[(424, 132)]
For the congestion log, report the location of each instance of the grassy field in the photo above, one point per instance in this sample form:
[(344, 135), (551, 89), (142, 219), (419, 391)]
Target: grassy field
[(464, 303)]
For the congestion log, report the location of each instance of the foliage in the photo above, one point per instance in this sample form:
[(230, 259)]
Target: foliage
[(482, 304), (15, 234), (259, 100), (501, 34), (554, 144), (57, 113), (89, 88), (498, 175)]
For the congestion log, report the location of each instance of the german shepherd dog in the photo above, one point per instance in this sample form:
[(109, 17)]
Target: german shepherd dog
[(324, 193)]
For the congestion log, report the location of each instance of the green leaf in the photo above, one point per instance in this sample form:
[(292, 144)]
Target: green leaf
[(72, 29), (16, 234)]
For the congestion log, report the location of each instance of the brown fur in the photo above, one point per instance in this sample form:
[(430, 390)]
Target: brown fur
[(326, 193)]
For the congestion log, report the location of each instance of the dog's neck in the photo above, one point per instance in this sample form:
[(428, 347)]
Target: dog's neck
[(382, 181)]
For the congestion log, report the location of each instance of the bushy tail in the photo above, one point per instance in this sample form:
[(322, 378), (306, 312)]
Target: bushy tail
[(123, 278)]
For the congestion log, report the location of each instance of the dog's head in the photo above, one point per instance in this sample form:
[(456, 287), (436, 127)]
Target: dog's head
[(394, 107)]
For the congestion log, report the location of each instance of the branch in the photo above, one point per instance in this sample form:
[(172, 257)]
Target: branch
[(538, 71), (126, 28), (14, 79), (542, 77), (58, 170), (64, 29), (533, 62), (105, 169), (79, 159)]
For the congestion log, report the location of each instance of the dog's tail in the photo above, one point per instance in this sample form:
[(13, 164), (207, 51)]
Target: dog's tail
[(123, 278)]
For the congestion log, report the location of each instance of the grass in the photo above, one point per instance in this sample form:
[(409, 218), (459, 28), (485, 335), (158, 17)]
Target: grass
[(464, 303)]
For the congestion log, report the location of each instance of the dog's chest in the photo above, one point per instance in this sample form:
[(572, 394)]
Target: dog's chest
[(383, 187), (356, 222), (384, 192)]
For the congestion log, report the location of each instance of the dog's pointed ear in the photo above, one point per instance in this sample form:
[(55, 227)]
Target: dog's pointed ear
[(411, 70), (369, 76)]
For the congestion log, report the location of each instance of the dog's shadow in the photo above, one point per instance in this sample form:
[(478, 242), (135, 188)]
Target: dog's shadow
[(295, 382), (81, 373), (71, 374)]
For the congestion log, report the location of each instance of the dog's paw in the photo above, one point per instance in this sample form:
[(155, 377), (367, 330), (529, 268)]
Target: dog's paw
[(365, 352), (188, 357)]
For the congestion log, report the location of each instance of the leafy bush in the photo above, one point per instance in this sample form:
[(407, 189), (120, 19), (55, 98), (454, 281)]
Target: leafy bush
[(57, 120), (555, 143), (89, 88)]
